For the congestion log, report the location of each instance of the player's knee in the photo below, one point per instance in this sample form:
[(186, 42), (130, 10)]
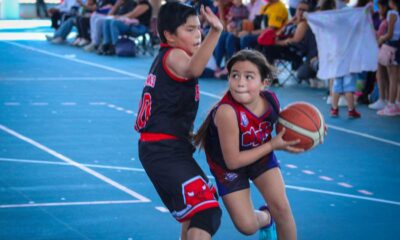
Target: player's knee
[(207, 220), (247, 227)]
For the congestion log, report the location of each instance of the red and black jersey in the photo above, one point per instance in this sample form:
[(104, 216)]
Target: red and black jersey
[(169, 103), (253, 130)]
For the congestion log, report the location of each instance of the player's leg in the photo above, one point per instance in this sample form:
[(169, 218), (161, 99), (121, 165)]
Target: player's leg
[(241, 210), (204, 224), (271, 186), (182, 186)]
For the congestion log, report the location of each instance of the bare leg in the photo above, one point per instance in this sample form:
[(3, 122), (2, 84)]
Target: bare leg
[(184, 230), (272, 188), (335, 100), (197, 234), (393, 82), (193, 233), (241, 211), (383, 82), (350, 100)]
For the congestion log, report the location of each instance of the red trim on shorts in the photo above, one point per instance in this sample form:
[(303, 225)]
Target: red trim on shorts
[(154, 137), (198, 208), (168, 71)]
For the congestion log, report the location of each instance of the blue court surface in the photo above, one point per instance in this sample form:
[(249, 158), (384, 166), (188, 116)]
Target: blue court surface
[(69, 166)]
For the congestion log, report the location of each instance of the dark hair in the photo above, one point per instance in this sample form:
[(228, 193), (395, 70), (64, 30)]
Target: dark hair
[(172, 15), (362, 3), (397, 3), (312, 4), (384, 3), (324, 5), (255, 57), (266, 71)]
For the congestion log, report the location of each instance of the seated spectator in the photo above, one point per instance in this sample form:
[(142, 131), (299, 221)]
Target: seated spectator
[(273, 16), (287, 44), (83, 23), (62, 11), (41, 5), (120, 8), (60, 35), (134, 23), (237, 13), (102, 9)]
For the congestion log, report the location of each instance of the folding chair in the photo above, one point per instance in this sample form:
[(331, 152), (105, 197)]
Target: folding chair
[(149, 41), (287, 68)]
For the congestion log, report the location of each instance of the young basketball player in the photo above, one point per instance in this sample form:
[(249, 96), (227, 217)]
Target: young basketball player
[(166, 115), (239, 147)]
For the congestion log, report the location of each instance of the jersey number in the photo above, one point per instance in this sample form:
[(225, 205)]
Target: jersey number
[(144, 111)]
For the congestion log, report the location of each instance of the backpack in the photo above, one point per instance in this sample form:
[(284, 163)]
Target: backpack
[(125, 47)]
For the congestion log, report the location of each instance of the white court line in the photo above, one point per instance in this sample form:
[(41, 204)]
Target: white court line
[(162, 209), (201, 92), (27, 205), (364, 135), (67, 164), (77, 60), (211, 177), (76, 164), (66, 78), (343, 195)]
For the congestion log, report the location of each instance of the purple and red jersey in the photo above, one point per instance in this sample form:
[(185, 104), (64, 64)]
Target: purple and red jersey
[(253, 131)]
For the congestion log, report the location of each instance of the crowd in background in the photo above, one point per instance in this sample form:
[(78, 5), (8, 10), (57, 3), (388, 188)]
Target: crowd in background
[(281, 32)]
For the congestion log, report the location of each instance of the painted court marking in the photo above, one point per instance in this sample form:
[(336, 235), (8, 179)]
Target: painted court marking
[(76, 164), (60, 204), (67, 79), (68, 164), (211, 177), (397, 144)]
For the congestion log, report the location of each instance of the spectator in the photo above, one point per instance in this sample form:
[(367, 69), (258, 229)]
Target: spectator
[(61, 12), (103, 7), (273, 16), (392, 39), (255, 7), (41, 5), (381, 74), (237, 13), (293, 6), (288, 38), (60, 35), (135, 23), (83, 22), (341, 4), (120, 8)]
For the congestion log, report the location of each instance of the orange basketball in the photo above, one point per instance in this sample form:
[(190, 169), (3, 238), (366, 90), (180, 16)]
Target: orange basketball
[(302, 121)]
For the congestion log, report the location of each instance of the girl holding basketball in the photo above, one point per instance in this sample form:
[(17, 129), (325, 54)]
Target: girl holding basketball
[(236, 137)]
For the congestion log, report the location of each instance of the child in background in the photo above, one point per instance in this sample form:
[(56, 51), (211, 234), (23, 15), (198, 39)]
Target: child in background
[(381, 73), (237, 139), (166, 115), (237, 13), (392, 38)]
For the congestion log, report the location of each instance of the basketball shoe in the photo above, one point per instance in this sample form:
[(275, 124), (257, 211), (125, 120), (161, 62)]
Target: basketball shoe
[(268, 232), (353, 114), (334, 112), (391, 110)]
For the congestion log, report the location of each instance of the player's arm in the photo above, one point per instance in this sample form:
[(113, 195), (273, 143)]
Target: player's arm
[(193, 66), (228, 131), (389, 33), (199, 60)]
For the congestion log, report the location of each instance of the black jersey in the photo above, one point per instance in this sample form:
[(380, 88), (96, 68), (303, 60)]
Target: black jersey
[(253, 130), (169, 104)]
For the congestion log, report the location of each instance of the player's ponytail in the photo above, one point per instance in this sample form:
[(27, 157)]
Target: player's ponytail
[(201, 135)]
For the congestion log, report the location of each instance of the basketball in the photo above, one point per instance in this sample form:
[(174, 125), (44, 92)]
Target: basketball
[(302, 121)]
